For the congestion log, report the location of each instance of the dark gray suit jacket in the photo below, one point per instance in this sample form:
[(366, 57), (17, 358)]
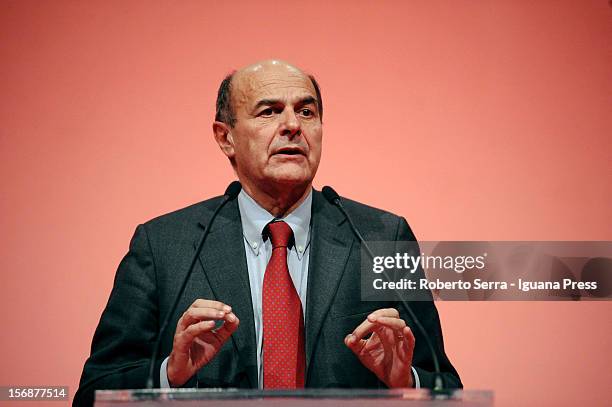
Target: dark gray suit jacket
[(148, 279)]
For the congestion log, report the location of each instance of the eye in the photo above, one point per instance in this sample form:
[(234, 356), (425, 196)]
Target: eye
[(267, 112), (306, 112)]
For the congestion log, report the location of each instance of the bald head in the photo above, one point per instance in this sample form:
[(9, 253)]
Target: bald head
[(236, 86), (272, 65)]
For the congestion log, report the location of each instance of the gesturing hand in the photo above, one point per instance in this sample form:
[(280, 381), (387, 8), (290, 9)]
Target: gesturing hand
[(388, 351), (196, 341)]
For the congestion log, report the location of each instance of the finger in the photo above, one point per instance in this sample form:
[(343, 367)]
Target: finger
[(386, 314), (354, 344), (230, 324), (409, 339), (362, 330), (200, 303), (389, 332), (396, 324), (406, 346), (183, 340), (383, 312), (388, 338), (195, 315), (355, 339)]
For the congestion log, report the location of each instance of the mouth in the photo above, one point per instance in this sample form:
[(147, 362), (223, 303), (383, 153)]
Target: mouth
[(290, 151)]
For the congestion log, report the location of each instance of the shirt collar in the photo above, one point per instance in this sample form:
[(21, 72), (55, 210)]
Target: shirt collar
[(254, 219)]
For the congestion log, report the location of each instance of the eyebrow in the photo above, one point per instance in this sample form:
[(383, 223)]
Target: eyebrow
[(271, 102)]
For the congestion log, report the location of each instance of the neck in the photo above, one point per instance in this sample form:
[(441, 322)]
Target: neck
[(279, 201)]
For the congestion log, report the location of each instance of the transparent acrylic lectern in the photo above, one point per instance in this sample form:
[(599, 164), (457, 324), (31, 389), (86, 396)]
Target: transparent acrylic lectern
[(291, 398)]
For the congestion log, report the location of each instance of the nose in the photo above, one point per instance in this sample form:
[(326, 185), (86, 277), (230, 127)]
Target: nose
[(290, 124)]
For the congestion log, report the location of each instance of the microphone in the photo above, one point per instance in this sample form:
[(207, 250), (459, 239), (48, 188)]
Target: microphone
[(230, 194), (332, 197)]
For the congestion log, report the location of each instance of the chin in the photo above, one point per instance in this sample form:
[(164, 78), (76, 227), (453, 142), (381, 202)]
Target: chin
[(293, 178), (290, 181)]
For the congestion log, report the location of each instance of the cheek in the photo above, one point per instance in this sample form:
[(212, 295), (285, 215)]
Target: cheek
[(315, 141), (259, 141), (255, 153)]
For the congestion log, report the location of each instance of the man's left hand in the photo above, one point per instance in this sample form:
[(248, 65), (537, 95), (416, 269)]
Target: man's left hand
[(388, 351)]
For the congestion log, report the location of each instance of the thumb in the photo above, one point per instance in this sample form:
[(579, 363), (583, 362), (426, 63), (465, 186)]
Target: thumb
[(354, 344), (230, 324)]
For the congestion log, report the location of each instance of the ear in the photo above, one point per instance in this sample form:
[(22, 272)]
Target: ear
[(223, 136)]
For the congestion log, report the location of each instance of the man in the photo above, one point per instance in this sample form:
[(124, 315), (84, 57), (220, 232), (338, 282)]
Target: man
[(274, 300)]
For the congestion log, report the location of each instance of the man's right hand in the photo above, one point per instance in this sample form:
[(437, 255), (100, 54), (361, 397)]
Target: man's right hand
[(196, 341)]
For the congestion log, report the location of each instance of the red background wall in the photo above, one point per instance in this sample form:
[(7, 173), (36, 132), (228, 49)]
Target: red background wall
[(473, 119)]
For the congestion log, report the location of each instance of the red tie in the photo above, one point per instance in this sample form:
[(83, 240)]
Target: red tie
[(283, 325)]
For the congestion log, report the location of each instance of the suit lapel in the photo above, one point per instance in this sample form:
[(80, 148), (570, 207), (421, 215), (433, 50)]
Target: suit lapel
[(224, 262), (329, 253)]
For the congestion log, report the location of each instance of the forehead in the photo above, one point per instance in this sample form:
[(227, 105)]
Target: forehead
[(283, 83)]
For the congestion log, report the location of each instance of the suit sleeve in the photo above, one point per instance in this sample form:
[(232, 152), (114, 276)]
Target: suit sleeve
[(124, 339), (427, 314)]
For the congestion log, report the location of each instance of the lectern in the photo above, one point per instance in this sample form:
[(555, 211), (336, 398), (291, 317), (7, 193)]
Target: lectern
[(292, 398)]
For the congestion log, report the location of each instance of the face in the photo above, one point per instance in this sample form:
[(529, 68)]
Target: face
[(276, 140)]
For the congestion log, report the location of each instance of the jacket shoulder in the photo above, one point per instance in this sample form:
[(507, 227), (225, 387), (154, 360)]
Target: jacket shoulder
[(185, 217), (376, 223), (369, 213), (366, 208)]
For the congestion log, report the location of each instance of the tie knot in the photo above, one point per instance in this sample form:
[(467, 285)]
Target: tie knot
[(280, 234)]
